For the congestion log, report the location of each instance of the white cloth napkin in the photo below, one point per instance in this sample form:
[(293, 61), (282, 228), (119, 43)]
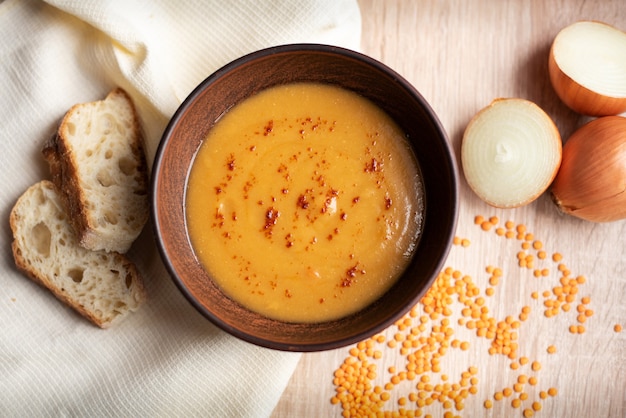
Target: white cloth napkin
[(166, 359)]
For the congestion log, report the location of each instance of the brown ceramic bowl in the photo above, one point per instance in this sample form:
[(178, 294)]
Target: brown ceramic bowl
[(296, 63)]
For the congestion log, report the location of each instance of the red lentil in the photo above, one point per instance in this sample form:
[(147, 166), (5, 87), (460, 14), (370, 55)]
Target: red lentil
[(423, 350)]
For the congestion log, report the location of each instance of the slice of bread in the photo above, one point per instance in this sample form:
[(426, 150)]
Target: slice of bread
[(102, 286), (97, 160)]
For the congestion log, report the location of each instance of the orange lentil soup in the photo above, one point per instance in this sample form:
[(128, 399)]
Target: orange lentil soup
[(304, 203)]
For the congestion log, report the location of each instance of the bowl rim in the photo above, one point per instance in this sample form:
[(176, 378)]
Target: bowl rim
[(159, 237)]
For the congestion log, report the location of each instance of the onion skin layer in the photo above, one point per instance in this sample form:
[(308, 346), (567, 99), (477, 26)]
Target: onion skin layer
[(591, 182), (576, 96)]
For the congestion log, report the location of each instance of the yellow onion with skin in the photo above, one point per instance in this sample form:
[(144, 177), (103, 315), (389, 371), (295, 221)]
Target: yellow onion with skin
[(591, 182), (587, 68)]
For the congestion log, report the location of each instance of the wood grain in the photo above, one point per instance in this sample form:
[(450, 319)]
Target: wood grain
[(461, 55)]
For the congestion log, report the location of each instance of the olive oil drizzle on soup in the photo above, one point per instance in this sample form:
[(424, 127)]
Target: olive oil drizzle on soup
[(304, 203)]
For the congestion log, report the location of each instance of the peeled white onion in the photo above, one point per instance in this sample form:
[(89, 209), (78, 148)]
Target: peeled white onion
[(591, 182), (587, 67), (510, 153)]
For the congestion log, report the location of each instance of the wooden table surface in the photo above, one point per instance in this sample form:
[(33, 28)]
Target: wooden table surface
[(460, 55)]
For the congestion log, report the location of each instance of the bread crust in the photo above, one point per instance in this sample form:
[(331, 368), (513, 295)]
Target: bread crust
[(65, 177), (64, 170)]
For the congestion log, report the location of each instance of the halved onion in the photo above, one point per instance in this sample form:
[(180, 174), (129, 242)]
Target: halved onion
[(587, 66), (510, 153)]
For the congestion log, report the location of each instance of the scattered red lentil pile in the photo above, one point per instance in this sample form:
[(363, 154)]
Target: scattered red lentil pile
[(426, 334)]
